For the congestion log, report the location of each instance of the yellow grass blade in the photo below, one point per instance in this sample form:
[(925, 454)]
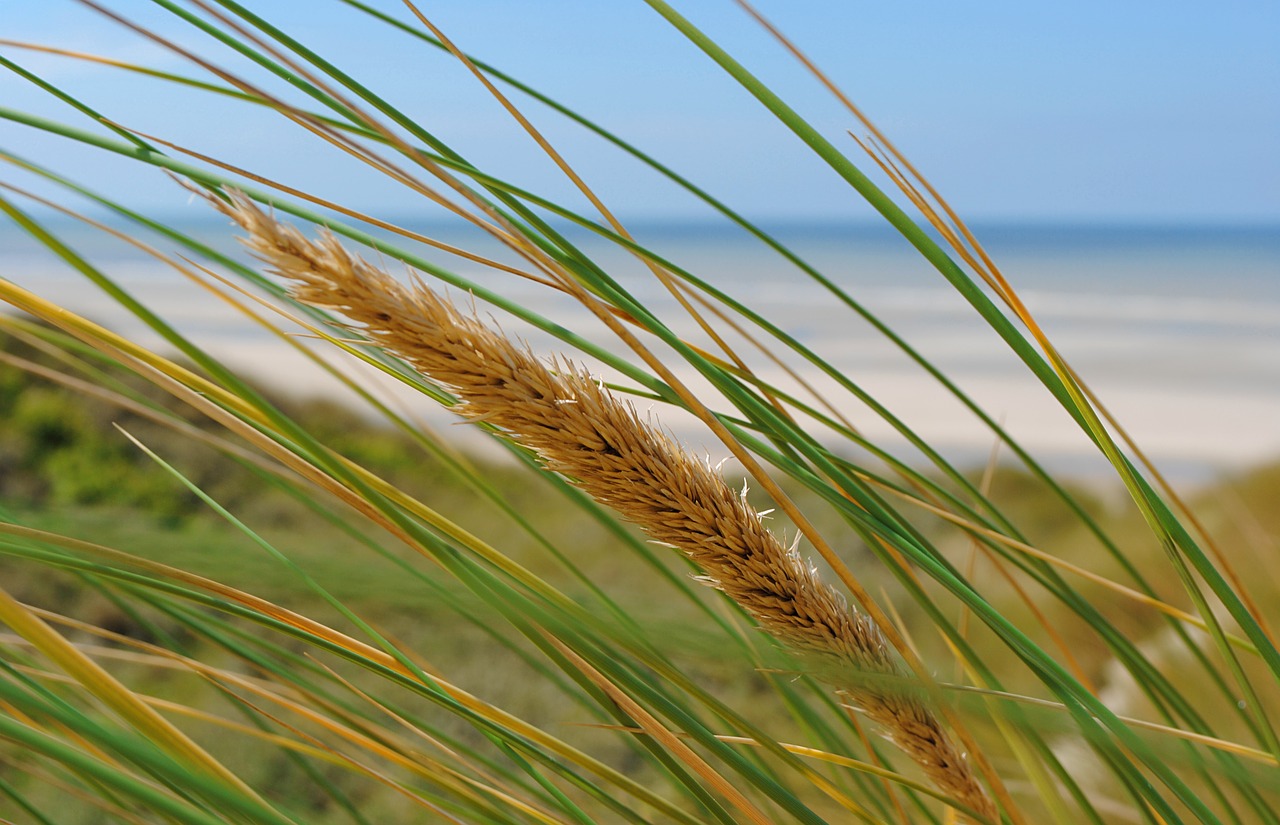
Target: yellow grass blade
[(115, 694)]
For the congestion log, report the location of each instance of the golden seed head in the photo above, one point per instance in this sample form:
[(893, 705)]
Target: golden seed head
[(583, 432)]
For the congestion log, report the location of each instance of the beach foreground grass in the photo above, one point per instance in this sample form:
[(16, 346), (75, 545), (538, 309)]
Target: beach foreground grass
[(1028, 650)]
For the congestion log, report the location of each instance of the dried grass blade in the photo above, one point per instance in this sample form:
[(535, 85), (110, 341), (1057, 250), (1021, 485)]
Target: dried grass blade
[(116, 695)]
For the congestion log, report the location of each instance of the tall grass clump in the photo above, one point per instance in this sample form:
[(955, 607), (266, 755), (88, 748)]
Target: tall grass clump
[(331, 617)]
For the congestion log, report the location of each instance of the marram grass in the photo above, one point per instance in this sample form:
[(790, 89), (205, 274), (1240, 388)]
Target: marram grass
[(336, 623), (584, 433)]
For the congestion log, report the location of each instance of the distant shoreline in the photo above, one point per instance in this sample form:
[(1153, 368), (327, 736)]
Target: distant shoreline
[(869, 227), (1176, 329)]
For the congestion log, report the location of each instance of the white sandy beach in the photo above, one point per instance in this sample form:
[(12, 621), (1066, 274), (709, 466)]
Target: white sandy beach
[(1192, 433)]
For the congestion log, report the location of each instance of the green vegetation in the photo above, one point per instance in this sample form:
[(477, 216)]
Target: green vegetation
[(226, 606)]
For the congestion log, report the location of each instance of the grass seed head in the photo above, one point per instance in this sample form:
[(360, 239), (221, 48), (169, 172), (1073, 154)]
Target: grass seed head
[(583, 432)]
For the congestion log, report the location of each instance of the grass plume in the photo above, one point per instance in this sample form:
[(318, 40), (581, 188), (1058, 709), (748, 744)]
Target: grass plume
[(583, 432)]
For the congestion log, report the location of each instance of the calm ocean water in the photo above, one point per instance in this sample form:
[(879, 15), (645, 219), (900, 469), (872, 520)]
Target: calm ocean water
[(1176, 328)]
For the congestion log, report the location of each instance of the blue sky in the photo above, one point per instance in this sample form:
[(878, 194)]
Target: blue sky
[(1088, 111)]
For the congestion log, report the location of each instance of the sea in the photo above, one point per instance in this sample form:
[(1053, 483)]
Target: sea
[(1176, 329)]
